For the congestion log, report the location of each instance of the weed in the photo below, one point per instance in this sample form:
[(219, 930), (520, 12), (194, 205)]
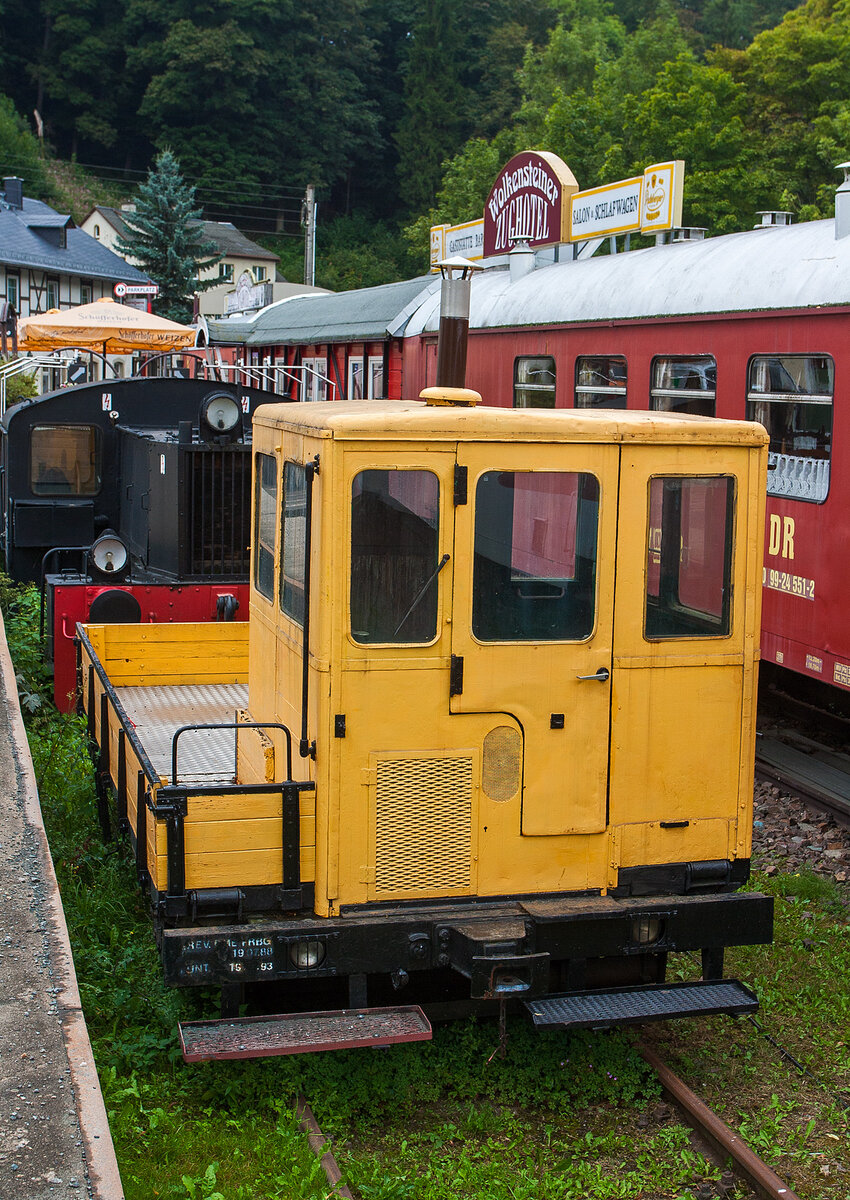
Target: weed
[(553, 1120)]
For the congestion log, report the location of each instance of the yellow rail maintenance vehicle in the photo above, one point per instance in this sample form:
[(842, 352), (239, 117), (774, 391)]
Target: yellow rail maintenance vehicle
[(496, 742)]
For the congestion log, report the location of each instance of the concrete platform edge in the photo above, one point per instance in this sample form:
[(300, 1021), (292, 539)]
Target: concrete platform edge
[(104, 1177)]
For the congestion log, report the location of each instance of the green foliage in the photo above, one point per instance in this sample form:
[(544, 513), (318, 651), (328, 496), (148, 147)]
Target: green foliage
[(19, 152), (20, 387), (555, 1119), (351, 252), (432, 123), (164, 241)]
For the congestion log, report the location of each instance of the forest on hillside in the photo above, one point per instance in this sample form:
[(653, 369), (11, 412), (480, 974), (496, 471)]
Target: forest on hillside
[(402, 113)]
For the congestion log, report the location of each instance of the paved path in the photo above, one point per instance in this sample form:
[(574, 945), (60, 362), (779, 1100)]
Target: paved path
[(54, 1137)]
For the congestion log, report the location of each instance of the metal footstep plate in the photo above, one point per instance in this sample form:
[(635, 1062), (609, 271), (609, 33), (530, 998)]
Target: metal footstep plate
[(302, 1033), (632, 1006)]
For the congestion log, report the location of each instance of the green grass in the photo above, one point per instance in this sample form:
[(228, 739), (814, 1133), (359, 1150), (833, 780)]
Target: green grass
[(558, 1117)]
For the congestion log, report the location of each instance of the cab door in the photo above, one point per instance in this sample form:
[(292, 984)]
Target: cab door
[(532, 619)]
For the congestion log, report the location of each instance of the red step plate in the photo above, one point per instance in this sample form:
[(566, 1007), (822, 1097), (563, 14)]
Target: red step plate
[(302, 1033)]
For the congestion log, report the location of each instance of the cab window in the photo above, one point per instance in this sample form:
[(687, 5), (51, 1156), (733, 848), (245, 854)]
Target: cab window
[(534, 572), (65, 460), (600, 382), (265, 520), (689, 557), (791, 395), (293, 518), (684, 385), (394, 561), (534, 382)]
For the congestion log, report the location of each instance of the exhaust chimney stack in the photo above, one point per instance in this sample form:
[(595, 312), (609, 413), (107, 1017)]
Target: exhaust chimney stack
[(521, 260), (842, 203), (454, 321)]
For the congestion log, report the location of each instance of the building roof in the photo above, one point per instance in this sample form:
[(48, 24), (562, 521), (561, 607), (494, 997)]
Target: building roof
[(21, 245), (776, 267), (367, 314), (225, 235)]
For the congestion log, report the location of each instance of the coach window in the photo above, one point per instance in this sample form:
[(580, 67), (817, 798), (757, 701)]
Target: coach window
[(684, 385), (375, 383), (293, 515), (534, 574), (791, 395), (265, 519), (534, 382), (65, 460), (600, 382), (395, 519), (689, 557)]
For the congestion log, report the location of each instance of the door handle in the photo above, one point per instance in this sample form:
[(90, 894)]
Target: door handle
[(602, 675)]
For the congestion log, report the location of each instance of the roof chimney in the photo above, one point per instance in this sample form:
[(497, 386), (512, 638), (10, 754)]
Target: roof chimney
[(13, 191), (842, 202), (521, 260)]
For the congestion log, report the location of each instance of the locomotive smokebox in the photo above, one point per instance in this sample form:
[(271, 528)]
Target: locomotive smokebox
[(454, 321)]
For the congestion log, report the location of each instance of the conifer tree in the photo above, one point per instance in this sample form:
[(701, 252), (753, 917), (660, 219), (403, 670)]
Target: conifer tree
[(166, 239)]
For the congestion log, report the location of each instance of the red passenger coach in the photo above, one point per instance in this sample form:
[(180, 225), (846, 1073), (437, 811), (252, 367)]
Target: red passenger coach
[(748, 325)]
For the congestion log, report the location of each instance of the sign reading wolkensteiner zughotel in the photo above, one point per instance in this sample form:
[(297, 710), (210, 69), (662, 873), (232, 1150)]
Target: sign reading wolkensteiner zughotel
[(529, 202)]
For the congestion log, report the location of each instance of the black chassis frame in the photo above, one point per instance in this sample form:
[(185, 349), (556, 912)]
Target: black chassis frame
[(503, 945)]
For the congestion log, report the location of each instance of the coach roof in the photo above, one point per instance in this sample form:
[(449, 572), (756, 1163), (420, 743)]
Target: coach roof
[(769, 268)]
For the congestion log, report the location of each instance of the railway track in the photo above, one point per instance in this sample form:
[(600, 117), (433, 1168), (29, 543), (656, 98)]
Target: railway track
[(723, 1142), (806, 749)]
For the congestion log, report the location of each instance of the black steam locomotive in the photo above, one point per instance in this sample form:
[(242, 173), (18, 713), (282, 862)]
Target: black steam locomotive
[(129, 500)]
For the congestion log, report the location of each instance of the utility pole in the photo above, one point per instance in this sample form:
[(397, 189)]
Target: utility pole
[(309, 208)]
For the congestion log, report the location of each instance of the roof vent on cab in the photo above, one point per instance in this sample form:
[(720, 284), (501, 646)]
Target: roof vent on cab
[(450, 397), (773, 216), (689, 233)]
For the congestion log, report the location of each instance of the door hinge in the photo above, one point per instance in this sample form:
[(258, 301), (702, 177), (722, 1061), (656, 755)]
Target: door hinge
[(460, 484), (456, 675)]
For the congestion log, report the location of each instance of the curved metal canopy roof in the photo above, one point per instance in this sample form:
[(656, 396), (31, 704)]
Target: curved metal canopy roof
[(365, 314), (769, 268)]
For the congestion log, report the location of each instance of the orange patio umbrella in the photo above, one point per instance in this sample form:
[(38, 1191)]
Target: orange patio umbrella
[(103, 325)]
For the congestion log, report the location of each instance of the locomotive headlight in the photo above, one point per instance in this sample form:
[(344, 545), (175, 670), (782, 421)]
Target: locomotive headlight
[(646, 930), (307, 954), (220, 414), (109, 554)]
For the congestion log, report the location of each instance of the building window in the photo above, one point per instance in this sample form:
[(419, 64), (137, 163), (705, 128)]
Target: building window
[(265, 520), (534, 382), (292, 538), (534, 573), (52, 293), (65, 460), (376, 378), (395, 518), (86, 291), (97, 232), (684, 385), (260, 274), (13, 291), (689, 557), (792, 397), (314, 379), (355, 379), (600, 382), (225, 272)]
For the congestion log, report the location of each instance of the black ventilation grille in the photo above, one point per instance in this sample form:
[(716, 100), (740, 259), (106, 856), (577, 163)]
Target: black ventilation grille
[(219, 511)]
